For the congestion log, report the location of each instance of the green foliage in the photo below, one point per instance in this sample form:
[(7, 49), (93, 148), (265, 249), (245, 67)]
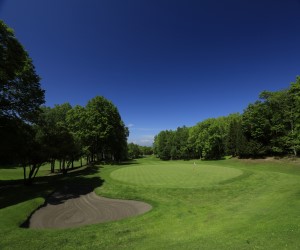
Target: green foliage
[(59, 143), (30, 137), (294, 115), (162, 145), (20, 99), (146, 150), (134, 151), (99, 130), (270, 126), (20, 91), (212, 137), (205, 140), (236, 140)]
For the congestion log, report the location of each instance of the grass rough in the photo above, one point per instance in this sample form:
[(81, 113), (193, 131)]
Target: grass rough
[(255, 206)]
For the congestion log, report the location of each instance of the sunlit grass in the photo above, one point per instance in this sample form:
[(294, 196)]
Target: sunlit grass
[(258, 209), (175, 175)]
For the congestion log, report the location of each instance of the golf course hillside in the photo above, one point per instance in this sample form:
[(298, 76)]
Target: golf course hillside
[(225, 204)]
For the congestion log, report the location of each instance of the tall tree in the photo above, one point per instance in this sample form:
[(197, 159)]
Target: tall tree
[(180, 149), (108, 134), (270, 126), (99, 129), (209, 137), (20, 91), (194, 143), (294, 115), (235, 141), (163, 144), (134, 151), (57, 138), (77, 124), (146, 150), (20, 99), (279, 104), (256, 124)]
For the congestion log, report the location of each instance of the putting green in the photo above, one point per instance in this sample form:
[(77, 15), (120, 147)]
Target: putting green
[(175, 175)]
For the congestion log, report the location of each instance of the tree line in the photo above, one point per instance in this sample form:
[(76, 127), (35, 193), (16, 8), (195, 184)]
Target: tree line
[(32, 134), (95, 131), (268, 127), (136, 151)]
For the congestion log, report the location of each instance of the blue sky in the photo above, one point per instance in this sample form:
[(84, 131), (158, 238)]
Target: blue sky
[(163, 63)]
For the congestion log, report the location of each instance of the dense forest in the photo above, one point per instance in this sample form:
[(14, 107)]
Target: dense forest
[(32, 134), (268, 127)]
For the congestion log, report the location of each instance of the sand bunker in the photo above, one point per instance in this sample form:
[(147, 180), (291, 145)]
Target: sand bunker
[(66, 210)]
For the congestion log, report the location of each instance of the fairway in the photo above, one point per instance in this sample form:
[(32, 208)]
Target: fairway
[(175, 175), (226, 204)]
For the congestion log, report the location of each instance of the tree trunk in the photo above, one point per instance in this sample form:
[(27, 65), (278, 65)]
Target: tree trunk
[(293, 141), (64, 167), (52, 165), (92, 157), (36, 170), (24, 173), (32, 173)]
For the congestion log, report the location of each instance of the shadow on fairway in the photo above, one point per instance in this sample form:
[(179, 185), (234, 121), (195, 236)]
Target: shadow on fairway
[(8, 167), (71, 185), (214, 159), (132, 162)]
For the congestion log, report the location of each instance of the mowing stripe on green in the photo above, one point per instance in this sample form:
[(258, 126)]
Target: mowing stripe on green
[(175, 176)]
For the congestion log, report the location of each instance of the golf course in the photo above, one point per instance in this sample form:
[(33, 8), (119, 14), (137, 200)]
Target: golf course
[(225, 204), (149, 125)]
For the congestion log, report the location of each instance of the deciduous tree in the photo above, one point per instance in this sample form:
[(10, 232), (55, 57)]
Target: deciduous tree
[(20, 98)]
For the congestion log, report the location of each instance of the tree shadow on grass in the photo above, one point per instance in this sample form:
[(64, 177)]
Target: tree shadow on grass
[(128, 162), (214, 159), (71, 185), (8, 167), (133, 162)]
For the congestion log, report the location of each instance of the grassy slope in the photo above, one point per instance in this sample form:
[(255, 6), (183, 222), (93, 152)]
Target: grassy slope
[(256, 210)]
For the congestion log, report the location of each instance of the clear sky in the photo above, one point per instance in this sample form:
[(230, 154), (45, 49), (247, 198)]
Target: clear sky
[(163, 63)]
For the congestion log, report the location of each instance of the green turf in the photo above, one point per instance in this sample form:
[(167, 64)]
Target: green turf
[(15, 173), (253, 206), (175, 174)]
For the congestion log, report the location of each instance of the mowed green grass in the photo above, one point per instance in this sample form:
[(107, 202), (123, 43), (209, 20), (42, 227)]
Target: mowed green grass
[(16, 173), (255, 205), (175, 175)]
